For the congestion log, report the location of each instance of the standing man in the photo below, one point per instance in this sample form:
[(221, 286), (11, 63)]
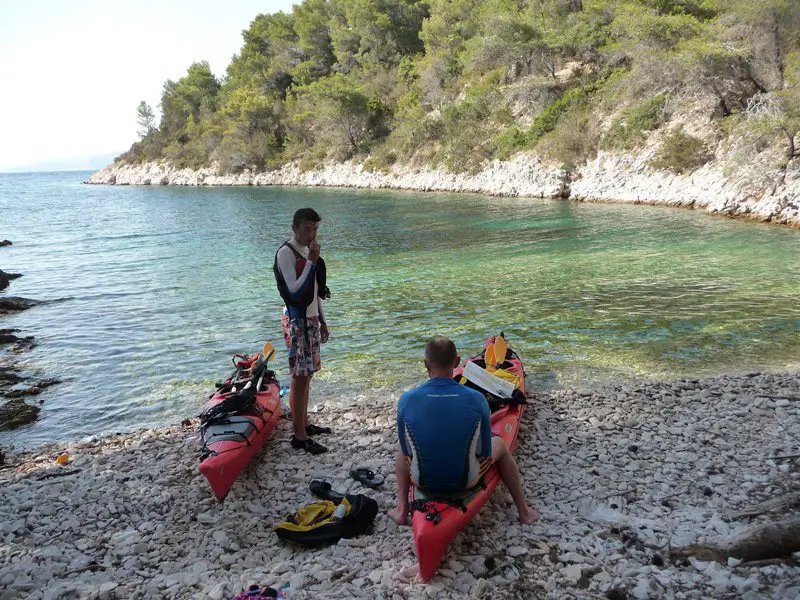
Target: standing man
[(446, 441), (300, 275)]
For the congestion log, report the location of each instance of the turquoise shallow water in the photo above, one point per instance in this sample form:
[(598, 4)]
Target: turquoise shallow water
[(149, 290)]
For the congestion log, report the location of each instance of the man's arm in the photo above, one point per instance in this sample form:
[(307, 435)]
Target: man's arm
[(401, 426), (297, 285), (486, 428), (323, 324)]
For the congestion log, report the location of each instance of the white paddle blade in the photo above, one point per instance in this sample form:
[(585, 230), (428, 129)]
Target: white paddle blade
[(488, 381)]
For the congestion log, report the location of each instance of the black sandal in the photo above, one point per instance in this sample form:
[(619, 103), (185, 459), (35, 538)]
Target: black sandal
[(322, 489), (317, 430), (367, 477)]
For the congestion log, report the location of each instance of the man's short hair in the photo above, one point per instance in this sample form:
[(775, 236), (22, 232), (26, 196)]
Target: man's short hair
[(441, 352), (305, 215)]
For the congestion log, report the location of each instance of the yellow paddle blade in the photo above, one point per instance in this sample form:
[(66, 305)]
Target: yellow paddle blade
[(489, 357), (500, 348), (267, 351)]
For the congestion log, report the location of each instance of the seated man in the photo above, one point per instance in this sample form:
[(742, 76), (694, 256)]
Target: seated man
[(446, 437)]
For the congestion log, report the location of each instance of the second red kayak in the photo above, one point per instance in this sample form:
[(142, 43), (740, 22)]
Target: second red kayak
[(435, 523)]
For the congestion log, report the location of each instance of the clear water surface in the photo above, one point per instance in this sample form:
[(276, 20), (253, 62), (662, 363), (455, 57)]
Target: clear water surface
[(149, 290)]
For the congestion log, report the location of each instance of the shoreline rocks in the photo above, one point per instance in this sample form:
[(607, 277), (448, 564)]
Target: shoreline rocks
[(608, 178), (15, 384), (9, 304), (620, 474), (5, 278), (16, 413)]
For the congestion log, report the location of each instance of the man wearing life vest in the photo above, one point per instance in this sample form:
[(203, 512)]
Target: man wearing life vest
[(446, 441), (300, 275)]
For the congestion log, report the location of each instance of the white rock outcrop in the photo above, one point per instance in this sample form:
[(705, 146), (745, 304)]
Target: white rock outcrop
[(608, 178)]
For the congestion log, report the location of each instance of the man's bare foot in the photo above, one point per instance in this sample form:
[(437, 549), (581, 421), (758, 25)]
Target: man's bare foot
[(529, 516), (399, 516)]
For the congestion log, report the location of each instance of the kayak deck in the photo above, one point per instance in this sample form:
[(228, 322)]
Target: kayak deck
[(237, 419)]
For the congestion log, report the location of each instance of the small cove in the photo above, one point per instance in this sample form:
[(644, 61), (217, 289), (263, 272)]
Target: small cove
[(149, 291)]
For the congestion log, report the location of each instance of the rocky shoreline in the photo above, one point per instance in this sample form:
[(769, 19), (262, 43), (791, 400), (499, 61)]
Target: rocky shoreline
[(622, 476), (16, 384), (608, 178)]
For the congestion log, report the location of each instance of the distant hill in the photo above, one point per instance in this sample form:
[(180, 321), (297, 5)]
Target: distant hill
[(80, 163), (459, 83)]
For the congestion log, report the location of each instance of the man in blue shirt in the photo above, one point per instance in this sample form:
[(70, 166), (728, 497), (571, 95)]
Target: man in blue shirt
[(446, 438)]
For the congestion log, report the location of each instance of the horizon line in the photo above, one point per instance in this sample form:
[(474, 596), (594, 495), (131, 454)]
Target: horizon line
[(24, 171)]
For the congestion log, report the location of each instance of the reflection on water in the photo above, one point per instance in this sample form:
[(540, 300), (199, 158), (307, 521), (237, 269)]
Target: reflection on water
[(159, 286)]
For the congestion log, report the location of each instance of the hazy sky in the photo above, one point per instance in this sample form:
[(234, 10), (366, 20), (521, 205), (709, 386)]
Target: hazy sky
[(72, 72)]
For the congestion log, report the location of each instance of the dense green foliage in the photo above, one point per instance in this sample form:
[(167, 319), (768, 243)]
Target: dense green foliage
[(460, 82), (680, 152), (633, 123)]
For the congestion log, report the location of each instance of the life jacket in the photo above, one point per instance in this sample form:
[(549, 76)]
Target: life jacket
[(298, 307)]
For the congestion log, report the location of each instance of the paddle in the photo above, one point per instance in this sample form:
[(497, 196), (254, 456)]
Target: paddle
[(500, 349), (489, 356), (267, 352)]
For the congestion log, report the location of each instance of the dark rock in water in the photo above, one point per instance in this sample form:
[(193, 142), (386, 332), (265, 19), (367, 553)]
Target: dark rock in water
[(15, 303), (5, 243), (9, 375), (7, 337), (43, 383), (16, 413), (36, 388), (22, 392)]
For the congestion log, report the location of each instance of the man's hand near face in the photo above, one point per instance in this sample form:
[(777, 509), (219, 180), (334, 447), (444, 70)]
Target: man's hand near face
[(313, 251)]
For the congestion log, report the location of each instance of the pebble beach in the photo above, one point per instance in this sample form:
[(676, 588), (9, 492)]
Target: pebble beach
[(621, 475)]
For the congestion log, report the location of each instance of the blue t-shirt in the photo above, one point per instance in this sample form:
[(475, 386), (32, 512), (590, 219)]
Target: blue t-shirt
[(445, 427)]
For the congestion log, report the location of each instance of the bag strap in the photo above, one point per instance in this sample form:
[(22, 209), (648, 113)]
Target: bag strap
[(293, 249)]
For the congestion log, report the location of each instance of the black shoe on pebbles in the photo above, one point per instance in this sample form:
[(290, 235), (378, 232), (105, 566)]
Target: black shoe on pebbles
[(308, 445)]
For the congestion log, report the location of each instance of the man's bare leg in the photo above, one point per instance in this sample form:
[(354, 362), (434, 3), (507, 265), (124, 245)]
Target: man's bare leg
[(298, 402), (509, 473), (400, 514)]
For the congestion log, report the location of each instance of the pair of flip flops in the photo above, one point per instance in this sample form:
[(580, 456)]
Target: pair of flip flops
[(322, 489)]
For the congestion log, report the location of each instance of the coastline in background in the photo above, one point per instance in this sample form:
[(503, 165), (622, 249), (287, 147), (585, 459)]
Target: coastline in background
[(608, 178)]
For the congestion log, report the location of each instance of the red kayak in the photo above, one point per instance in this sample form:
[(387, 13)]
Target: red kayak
[(436, 521), (237, 419)]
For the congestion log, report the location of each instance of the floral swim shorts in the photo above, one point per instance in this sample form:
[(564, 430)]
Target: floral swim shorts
[(302, 337)]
